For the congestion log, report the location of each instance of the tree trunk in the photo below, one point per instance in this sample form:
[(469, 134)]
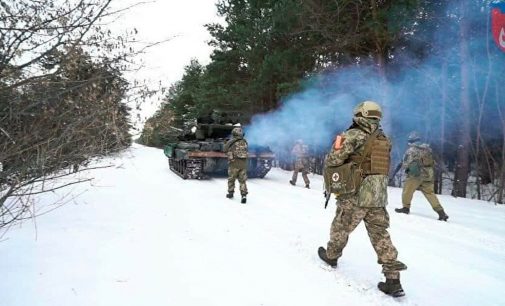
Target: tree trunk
[(501, 183), (380, 57), (441, 166), (463, 155)]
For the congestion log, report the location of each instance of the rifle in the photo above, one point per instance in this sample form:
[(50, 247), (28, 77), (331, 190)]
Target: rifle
[(326, 192), (327, 195), (392, 177)]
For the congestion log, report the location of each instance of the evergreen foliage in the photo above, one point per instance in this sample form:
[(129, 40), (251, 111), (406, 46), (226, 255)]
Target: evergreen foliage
[(269, 50)]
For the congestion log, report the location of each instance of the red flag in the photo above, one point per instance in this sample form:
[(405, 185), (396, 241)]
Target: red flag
[(498, 24)]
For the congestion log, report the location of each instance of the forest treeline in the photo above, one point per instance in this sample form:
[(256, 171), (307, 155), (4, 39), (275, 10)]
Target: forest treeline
[(267, 51)]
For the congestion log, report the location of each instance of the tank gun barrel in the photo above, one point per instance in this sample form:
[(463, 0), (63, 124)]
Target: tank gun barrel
[(176, 129)]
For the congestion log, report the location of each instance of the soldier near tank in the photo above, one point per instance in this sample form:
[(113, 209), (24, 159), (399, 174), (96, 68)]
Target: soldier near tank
[(364, 150), (300, 153), (418, 163), (236, 150)]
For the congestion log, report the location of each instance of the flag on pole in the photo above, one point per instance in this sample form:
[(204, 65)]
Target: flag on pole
[(498, 23)]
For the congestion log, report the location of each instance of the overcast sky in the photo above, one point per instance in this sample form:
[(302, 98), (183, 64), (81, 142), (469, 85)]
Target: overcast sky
[(158, 20)]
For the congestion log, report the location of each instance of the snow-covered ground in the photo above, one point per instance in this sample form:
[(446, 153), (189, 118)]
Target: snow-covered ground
[(140, 235)]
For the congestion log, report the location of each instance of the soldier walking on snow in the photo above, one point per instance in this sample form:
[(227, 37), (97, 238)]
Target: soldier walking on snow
[(364, 150), (300, 152), (236, 149), (418, 163)]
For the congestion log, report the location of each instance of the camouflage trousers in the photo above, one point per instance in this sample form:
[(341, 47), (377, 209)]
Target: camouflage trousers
[(426, 187), (376, 220), (300, 167), (239, 174)]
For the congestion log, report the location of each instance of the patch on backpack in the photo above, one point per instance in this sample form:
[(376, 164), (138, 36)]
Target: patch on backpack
[(335, 177)]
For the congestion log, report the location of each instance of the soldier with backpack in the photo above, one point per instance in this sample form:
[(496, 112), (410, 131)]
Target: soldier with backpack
[(236, 149), (356, 171), (418, 163)]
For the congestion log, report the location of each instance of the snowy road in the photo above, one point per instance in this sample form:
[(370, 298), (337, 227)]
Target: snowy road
[(142, 236)]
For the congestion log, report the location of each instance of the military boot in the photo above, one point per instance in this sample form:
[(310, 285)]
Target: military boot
[(404, 210), (442, 216), (307, 186), (244, 199), (391, 287), (229, 195), (322, 254), (292, 183)]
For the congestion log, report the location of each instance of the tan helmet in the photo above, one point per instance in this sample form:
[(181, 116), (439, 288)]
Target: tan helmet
[(413, 137), (237, 132), (368, 109)]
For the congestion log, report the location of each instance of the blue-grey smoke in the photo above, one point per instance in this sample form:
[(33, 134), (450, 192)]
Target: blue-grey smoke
[(420, 93)]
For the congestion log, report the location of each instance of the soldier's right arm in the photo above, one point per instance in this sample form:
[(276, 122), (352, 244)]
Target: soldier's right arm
[(294, 151), (228, 149), (227, 146), (408, 157)]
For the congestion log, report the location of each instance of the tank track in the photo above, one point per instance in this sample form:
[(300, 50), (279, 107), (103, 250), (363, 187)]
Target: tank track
[(262, 168), (193, 168), (187, 168)]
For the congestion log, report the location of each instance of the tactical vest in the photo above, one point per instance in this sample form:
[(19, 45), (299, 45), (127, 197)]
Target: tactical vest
[(374, 159)]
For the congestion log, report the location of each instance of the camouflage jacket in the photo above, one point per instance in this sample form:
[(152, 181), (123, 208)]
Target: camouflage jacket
[(300, 154), (414, 154), (236, 150), (373, 189)]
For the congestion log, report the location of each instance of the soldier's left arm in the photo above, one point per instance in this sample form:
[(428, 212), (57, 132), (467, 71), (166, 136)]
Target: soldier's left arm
[(338, 156)]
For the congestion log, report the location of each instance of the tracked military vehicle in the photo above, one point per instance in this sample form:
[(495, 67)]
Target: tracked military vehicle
[(199, 153)]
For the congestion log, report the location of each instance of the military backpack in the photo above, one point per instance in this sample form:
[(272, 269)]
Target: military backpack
[(346, 179), (240, 149), (427, 159), (423, 159)]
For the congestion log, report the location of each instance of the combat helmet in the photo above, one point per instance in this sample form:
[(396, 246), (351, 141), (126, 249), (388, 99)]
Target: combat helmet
[(368, 109), (237, 132), (413, 137)]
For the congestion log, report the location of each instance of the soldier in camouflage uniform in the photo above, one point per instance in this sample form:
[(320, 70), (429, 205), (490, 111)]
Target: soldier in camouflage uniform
[(418, 163), (300, 152), (368, 203), (236, 149)]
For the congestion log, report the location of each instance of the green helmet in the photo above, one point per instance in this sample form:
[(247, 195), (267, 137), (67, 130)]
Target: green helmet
[(368, 109), (237, 132), (413, 136)]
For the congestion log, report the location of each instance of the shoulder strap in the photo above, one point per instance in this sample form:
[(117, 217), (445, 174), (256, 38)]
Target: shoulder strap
[(230, 143), (368, 145)]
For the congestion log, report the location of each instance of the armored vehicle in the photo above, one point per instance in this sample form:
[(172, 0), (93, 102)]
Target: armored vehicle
[(199, 153)]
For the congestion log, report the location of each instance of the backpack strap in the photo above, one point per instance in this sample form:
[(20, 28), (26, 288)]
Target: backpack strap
[(368, 147), (368, 144), (360, 159), (231, 142)]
